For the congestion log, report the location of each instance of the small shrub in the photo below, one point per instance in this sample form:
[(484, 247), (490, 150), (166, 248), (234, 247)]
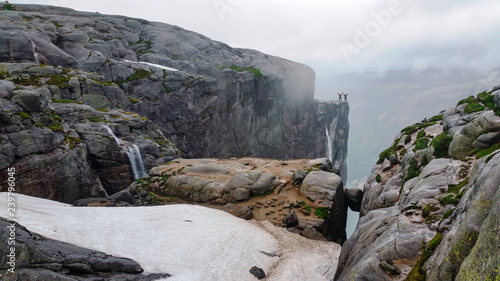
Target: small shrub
[(378, 178), (8, 7), (322, 212)]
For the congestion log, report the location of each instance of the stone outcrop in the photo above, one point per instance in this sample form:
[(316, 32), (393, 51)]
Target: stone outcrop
[(40, 258), (209, 99), (249, 188), (428, 210)]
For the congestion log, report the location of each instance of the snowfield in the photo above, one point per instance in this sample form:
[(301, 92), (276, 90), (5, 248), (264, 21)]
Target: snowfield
[(154, 65), (190, 242)]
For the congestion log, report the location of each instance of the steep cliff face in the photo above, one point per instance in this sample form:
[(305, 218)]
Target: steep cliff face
[(210, 99), (62, 149), (429, 210)]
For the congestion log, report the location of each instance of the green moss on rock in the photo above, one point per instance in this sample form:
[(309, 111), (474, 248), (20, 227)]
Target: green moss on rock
[(441, 143)]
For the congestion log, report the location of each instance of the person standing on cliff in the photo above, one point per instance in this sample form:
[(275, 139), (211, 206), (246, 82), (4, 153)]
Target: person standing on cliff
[(345, 96), (340, 96)]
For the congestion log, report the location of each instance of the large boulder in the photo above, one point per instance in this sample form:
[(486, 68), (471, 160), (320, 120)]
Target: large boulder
[(46, 259), (329, 188), (463, 140), (354, 197), (263, 184), (321, 185)]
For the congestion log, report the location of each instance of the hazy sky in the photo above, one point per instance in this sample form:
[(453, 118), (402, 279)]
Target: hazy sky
[(333, 36)]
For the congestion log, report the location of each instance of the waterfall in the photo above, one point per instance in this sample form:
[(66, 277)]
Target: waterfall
[(117, 139), (33, 47), (329, 145), (134, 155)]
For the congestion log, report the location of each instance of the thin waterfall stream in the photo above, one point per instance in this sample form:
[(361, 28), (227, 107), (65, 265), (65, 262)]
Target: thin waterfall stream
[(134, 155), (329, 145)]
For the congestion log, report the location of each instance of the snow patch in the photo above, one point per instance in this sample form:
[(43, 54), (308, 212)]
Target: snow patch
[(154, 64), (190, 242)]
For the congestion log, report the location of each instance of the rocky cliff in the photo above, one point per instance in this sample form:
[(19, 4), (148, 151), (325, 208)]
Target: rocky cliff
[(209, 99), (430, 207)]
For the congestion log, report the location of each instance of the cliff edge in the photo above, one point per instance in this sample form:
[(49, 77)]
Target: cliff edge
[(429, 209), (89, 81)]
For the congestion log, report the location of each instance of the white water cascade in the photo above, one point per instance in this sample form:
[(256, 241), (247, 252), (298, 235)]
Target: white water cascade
[(133, 153), (33, 47), (329, 145)]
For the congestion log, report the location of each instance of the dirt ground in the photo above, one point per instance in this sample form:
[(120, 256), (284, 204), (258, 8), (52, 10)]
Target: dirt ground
[(272, 207)]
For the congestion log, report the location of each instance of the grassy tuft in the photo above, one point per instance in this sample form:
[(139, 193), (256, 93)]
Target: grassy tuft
[(413, 170), (455, 188), (441, 143), (322, 212), (421, 143), (23, 115)]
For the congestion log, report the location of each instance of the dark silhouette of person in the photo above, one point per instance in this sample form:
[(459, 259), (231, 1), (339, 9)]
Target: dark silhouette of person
[(345, 96)]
